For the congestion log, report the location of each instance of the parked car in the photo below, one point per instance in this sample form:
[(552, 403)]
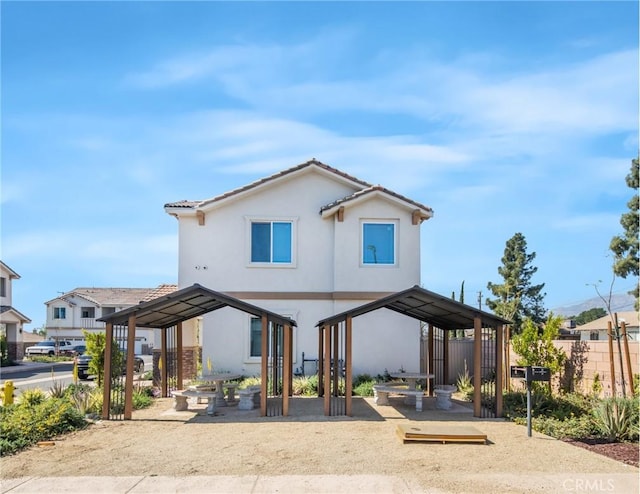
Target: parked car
[(74, 350), (82, 363), (48, 347)]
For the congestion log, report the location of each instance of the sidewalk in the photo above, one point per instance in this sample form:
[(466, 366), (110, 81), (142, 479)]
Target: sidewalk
[(216, 484), (310, 484)]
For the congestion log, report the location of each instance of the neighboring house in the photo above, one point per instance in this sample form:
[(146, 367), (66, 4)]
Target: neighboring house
[(71, 312), (306, 243), (597, 329), (12, 321)]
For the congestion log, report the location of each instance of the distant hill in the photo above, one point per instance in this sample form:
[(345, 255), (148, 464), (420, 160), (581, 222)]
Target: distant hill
[(619, 302)]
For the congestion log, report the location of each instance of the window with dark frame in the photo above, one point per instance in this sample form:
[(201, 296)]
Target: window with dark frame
[(88, 312)]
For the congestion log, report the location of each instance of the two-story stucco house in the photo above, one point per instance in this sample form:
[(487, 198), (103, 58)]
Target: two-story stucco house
[(78, 309), (307, 243), (12, 321)]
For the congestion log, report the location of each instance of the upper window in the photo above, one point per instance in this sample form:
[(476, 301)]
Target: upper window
[(59, 313), (378, 243), (3, 287), (272, 242), (108, 310), (88, 312)]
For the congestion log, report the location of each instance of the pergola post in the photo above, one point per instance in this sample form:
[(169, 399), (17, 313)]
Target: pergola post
[(507, 358), (128, 383), (477, 367), (336, 360), (499, 369), (348, 366), (264, 371), (445, 357), (430, 358), (106, 391), (287, 371), (179, 376), (327, 370), (320, 368), (164, 364)]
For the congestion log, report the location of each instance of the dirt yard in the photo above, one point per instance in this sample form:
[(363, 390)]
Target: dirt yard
[(162, 442)]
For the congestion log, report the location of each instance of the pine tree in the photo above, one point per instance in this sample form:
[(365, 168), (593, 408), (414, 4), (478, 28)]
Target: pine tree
[(625, 247), (516, 298)]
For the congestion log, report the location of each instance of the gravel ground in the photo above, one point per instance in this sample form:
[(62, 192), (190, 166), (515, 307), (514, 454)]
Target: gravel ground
[(162, 442)]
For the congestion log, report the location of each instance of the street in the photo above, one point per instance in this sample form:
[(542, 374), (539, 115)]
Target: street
[(43, 376)]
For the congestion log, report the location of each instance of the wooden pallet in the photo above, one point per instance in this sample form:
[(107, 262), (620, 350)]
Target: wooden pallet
[(440, 433)]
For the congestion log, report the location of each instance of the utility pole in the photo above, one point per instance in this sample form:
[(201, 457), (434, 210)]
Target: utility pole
[(480, 300)]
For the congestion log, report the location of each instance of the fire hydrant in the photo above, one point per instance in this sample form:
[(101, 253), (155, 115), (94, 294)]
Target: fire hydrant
[(6, 392)]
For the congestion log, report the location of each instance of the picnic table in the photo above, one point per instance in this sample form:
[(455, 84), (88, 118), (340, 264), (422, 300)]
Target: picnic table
[(219, 380)]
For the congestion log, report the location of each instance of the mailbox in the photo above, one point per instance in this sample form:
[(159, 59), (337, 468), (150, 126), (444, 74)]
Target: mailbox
[(531, 373), (518, 372), (540, 373)]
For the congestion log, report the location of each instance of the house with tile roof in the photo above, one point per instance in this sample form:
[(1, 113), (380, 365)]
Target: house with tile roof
[(12, 321), (308, 242), (71, 312), (597, 329)]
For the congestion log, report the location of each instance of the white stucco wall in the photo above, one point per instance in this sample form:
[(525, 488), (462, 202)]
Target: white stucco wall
[(327, 260)]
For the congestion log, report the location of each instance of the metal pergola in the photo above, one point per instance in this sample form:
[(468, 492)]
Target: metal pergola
[(171, 311), (429, 307)]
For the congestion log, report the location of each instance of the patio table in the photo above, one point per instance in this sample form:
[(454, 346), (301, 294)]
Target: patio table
[(220, 379), (412, 378)]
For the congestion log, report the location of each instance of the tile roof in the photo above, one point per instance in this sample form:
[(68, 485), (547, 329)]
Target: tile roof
[(313, 162), (369, 190), (160, 291), (109, 296)]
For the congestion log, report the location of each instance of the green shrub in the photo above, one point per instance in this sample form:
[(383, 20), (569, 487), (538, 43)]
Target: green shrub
[(250, 381), (141, 399), (22, 425), (305, 386), (572, 427), (364, 388), (617, 418), (361, 379), (4, 351), (32, 397), (559, 407)]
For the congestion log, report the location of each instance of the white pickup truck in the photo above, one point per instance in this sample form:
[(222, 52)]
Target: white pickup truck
[(48, 347)]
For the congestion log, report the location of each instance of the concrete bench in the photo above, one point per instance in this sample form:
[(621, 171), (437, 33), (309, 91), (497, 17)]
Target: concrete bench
[(202, 387), (443, 396), (249, 398), (381, 393)]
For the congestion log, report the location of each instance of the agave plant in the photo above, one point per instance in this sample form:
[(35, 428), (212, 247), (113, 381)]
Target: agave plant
[(617, 418), (57, 390)]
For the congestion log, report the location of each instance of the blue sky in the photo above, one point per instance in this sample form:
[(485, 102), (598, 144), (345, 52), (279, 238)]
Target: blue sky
[(503, 117)]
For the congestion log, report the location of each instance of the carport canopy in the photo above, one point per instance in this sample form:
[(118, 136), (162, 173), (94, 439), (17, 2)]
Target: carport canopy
[(185, 304), (427, 306)]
